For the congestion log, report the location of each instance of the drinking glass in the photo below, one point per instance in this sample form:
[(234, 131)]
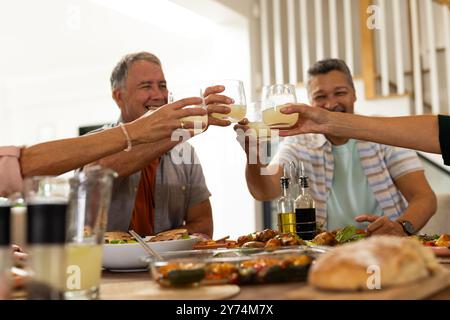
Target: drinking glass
[(255, 119), (200, 122), (89, 199), (279, 95), (234, 89), (46, 198)]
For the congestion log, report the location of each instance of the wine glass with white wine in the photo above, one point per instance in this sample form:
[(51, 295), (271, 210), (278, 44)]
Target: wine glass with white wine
[(255, 119), (234, 89), (279, 95), (200, 122)]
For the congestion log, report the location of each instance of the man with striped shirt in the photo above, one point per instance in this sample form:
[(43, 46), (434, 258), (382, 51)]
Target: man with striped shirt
[(353, 182)]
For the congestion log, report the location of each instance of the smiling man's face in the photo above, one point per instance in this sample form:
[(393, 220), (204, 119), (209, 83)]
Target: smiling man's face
[(145, 89), (332, 91)]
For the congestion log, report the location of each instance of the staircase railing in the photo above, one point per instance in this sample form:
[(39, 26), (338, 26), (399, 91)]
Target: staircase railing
[(396, 46)]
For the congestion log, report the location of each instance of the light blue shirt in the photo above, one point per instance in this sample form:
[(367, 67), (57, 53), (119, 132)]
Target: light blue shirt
[(381, 164), (350, 194)]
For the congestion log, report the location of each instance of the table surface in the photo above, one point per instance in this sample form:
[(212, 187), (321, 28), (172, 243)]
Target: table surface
[(249, 292)]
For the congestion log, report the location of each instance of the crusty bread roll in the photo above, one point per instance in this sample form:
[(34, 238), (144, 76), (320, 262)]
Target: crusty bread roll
[(400, 260)]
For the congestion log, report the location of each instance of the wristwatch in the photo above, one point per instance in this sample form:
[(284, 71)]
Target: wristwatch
[(407, 226)]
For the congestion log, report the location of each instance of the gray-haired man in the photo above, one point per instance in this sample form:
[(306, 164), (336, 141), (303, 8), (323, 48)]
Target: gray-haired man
[(153, 193)]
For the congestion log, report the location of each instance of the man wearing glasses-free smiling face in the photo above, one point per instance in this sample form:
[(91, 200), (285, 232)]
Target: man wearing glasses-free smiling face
[(152, 193), (353, 182)]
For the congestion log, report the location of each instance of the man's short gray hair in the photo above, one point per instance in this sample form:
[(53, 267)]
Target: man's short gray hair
[(120, 71), (327, 65)]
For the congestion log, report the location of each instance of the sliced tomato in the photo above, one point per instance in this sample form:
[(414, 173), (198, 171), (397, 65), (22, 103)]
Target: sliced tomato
[(429, 244)]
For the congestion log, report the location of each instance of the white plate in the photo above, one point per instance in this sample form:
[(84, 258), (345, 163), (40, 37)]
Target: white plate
[(441, 251), (130, 255)]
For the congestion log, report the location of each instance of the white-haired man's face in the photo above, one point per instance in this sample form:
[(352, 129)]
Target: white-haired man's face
[(145, 89)]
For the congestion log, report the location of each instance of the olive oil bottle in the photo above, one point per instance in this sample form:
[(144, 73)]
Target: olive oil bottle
[(285, 205)]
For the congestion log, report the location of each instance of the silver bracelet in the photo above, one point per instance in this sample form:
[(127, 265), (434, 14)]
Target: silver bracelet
[(129, 145)]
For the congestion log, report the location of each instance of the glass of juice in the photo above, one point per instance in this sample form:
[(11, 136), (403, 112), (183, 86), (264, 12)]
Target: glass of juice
[(279, 95), (90, 195), (234, 89)]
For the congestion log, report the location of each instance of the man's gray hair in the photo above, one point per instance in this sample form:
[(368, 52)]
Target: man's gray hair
[(328, 65), (120, 71)]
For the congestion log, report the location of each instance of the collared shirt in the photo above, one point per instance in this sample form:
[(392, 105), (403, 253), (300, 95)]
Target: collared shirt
[(10, 173), (381, 165), (179, 185)]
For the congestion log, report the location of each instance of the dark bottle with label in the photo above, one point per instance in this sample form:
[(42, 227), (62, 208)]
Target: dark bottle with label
[(305, 209)]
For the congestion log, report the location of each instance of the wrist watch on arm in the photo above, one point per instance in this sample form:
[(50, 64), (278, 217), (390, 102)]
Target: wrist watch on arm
[(407, 226)]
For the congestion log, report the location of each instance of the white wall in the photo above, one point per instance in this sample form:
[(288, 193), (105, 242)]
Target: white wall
[(55, 63)]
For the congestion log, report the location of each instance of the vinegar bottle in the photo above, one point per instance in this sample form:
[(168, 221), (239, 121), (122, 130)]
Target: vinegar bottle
[(305, 209)]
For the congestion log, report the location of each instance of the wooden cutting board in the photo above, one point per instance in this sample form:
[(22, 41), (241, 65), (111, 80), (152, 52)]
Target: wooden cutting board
[(414, 291), (150, 290)]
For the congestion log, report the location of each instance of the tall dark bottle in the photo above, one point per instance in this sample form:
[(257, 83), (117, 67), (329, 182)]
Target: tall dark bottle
[(305, 209)]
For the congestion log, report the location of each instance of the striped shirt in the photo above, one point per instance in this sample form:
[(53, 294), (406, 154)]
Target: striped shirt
[(381, 164)]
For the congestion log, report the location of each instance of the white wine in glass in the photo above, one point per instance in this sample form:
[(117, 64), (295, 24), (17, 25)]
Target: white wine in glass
[(237, 113), (260, 130), (254, 115), (274, 118), (197, 120), (200, 122), (279, 95), (234, 89)]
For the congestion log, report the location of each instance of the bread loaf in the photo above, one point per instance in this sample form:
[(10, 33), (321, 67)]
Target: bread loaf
[(348, 267)]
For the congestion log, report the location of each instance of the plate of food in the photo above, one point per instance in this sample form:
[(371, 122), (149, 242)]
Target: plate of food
[(339, 236), (121, 252), (439, 244), (267, 238)]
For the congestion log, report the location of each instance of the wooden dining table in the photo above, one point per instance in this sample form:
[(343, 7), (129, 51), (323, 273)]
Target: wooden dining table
[(280, 291)]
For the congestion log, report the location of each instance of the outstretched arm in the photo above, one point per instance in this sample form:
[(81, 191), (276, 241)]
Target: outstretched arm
[(56, 157), (262, 177), (413, 132)]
